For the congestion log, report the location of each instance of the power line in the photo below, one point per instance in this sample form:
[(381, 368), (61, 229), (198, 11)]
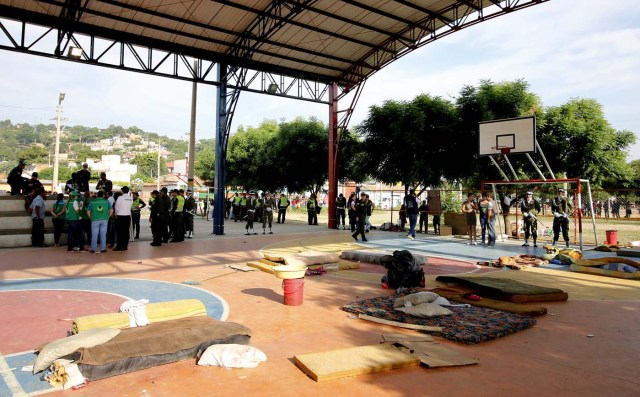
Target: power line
[(22, 107)]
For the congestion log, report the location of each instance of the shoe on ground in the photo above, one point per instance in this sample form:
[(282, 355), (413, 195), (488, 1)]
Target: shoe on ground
[(475, 243), (155, 245), (468, 243), (525, 244), (119, 249), (103, 251), (355, 238), (411, 237), (92, 251), (76, 249), (364, 240), (270, 232), (535, 245)]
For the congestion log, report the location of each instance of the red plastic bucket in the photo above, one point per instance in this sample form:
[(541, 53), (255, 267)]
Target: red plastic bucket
[(612, 237), (293, 291)]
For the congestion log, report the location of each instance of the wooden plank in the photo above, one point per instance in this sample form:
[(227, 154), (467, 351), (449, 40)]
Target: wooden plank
[(399, 324), (354, 361)]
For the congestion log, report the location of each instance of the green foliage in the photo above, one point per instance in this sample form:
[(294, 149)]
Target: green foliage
[(409, 142), (247, 162), (64, 173), (204, 165), (34, 154), (578, 140), (148, 165)]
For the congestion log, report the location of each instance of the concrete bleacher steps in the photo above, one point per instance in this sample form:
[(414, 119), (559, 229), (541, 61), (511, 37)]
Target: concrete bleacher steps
[(15, 223)]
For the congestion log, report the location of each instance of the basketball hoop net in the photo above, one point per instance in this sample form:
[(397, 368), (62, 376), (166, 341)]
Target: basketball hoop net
[(502, 149)]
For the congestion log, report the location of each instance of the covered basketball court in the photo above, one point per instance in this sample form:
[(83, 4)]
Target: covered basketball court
[(314, 50)]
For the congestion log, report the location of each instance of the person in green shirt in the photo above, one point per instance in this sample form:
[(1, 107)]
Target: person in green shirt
[(57, 215), (99, 211), (73, 209)]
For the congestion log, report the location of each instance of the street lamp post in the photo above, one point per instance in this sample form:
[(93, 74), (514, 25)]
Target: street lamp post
[(56, 156)]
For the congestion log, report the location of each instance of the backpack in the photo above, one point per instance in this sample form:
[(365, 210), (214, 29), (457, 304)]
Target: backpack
[(402, 270)]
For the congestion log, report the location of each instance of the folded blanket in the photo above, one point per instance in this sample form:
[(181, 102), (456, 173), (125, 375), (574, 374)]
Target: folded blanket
[(156, 312)]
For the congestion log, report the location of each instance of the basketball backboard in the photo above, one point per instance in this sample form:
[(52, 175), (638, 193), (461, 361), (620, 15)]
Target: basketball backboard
[(516, 135)]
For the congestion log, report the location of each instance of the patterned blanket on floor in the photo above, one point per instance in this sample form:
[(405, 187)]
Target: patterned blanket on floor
[(469, 325)]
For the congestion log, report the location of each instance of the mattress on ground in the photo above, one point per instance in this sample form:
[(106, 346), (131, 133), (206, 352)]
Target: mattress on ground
[(369, 256), (458, 295), (353, 361), (165, 342), (506, 289), (156, 312), (592, 266)]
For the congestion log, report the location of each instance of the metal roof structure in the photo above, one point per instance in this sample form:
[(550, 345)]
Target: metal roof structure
[(320, 41), (314, 50)]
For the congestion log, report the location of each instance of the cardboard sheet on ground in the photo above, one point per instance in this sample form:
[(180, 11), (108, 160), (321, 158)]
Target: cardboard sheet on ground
[(434, 355), (506, 289), (353, 361)]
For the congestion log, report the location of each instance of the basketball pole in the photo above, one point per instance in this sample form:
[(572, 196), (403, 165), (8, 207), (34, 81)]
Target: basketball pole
[(544, 159), (498, 167), (515, 176), (536, 166)]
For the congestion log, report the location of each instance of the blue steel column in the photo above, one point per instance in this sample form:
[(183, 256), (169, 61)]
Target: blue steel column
[(221, 153)]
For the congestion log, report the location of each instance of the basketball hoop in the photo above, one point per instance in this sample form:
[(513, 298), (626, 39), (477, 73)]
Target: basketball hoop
[(502, 149)]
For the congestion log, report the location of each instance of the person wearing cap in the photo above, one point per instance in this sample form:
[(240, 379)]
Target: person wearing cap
[(312, 213), (16, 180), (83, 176), (562, 208), (73, 210), (267, 212), (188, 214), (530, 208), (361, 215), (122, 209), (283, 204), (243, 204), (250, 203)]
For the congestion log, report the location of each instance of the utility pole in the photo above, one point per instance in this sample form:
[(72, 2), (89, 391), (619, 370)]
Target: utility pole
[(192, 133), (158, 180), (56, 157)]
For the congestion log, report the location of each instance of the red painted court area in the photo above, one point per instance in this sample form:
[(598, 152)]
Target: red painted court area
[(33, 318)]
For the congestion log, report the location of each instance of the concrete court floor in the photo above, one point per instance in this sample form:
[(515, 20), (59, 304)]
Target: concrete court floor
[(555, 357)]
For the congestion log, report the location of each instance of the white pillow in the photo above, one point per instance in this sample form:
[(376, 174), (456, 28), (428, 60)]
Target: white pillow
[(425, 310), (416, 299), (232, 356), (65, 346)]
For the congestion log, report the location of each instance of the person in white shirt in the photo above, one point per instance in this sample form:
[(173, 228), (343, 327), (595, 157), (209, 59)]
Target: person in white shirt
[(122, 209)]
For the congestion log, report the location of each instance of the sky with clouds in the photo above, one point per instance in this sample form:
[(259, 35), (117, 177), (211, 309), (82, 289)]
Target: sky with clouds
[(563, 48)]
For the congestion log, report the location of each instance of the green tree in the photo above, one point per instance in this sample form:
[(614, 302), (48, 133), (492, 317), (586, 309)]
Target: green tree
[(409, 142), (299, 156), (248, 161), (34, 154), (148, 165), (204, 165), (578, 140)]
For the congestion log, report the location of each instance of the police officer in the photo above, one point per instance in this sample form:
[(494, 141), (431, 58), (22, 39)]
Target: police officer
[(250, 207), (361, 214), (157, 218), (177, 217), (530, 208), (243, 204), (136, 206), (15, 179), (312, 214), (267, 212), (341, 205), (562, 208), (283, 204), (188, 214)]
